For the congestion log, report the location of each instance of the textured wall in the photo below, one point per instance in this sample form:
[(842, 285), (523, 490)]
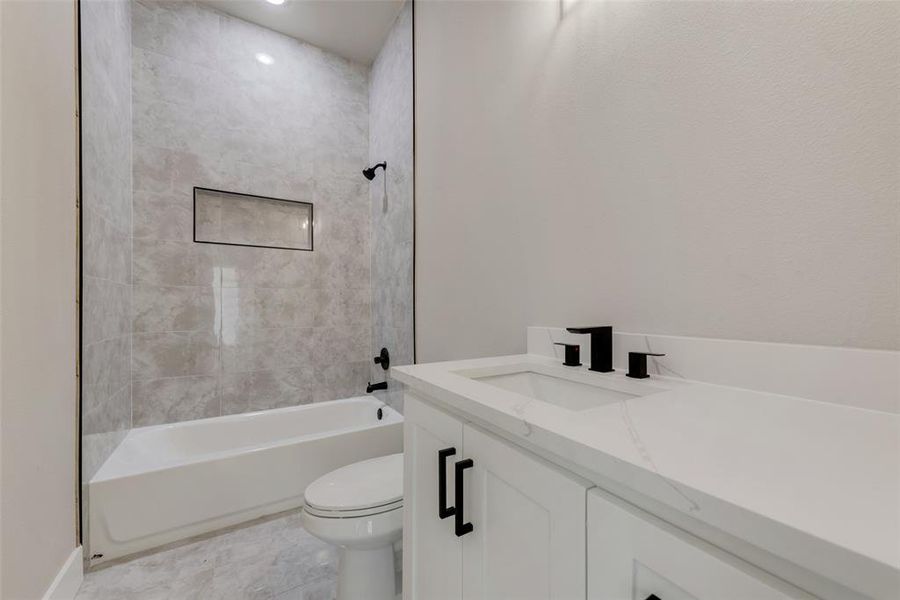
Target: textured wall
[(709, 169), (224, 329), (38, 394), (391, 196), (106, 188)]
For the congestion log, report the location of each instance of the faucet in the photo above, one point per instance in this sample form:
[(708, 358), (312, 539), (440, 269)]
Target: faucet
[(601, 346), (374, 387)]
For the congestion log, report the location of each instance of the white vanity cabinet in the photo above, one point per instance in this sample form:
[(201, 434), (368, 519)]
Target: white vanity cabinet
[(539, 532), (432, 554), (527, 534), (633, 556)]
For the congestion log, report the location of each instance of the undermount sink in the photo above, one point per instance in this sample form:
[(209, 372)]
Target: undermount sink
[(565, 393)]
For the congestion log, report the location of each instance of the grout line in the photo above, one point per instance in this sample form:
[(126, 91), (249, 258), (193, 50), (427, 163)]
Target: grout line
[(108, 280), (108, 339), (118, 390), (97, 215), (219, 362)]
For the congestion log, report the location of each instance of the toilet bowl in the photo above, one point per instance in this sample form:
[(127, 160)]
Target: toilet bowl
[(360, 509)]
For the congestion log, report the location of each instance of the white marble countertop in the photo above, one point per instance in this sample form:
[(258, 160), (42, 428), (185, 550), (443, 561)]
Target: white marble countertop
[(813, 483)]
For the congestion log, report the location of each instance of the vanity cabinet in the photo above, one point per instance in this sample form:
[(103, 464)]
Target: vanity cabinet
[(527, 534), (632, 556), (432, 555), (485, 519)]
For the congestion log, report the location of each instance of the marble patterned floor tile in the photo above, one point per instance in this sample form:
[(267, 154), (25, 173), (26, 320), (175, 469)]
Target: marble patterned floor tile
[(323, 590), (266, 560)]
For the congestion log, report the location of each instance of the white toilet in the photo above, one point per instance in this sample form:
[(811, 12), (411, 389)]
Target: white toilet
[(360, 508)]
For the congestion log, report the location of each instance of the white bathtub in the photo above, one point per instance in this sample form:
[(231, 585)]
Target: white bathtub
[(168, 482)]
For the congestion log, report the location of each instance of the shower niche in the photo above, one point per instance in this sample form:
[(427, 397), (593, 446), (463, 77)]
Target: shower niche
[(235, 219)]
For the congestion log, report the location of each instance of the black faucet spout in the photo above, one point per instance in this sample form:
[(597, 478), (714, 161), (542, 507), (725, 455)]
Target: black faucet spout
[(601, 346), (374, 387)]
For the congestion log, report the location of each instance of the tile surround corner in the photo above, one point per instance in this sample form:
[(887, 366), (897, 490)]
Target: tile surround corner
[(106, 248), (391, 202), (107, 309), (106, 165)]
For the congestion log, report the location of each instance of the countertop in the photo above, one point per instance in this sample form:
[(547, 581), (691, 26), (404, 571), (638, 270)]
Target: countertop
[(812, 483)]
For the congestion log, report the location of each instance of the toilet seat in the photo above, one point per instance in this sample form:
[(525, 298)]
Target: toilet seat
[(371, 511), (363, 489)]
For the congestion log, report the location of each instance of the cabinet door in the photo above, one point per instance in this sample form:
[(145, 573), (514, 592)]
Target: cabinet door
[(632, 556), (528, 536), (432, 554)]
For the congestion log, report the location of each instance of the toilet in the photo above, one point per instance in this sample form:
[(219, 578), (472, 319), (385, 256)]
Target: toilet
[(360, 509)]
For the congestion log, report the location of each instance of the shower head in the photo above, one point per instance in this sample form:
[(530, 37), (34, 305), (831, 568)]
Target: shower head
[(370, 172)]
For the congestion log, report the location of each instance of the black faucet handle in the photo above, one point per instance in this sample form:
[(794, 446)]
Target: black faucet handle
[(383, 359), (637, 364), (573, 354)]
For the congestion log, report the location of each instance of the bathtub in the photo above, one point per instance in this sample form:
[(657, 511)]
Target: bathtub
[(169, 482)]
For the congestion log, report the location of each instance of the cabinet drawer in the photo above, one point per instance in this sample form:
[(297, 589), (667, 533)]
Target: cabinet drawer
[(633, 556)]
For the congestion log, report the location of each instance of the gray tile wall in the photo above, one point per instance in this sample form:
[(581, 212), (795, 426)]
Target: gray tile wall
[(391, 195), (106, 234), (226, 329)]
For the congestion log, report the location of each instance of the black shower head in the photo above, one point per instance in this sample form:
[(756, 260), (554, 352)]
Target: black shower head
[(370, 172)]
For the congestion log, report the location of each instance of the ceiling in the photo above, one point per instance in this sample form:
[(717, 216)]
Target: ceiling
[(354, 29)]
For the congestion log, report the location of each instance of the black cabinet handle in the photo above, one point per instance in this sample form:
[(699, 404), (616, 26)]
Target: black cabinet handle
[(462, 528), (652, 597), (444, 511)]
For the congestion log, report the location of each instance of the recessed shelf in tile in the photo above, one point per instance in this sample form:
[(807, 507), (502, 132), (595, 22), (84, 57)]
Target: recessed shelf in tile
[(235, 219)]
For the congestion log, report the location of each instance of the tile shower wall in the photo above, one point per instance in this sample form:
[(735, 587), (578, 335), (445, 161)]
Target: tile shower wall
[(106, 235), (391, 194), (225, 329)]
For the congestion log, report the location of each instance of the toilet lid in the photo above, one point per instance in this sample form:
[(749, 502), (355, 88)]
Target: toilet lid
[(367, 484)]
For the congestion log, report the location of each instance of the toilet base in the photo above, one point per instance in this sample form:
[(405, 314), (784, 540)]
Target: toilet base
[(366, 574)]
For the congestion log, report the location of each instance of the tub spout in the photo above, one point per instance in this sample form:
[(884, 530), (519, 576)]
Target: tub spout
[(373, 387)]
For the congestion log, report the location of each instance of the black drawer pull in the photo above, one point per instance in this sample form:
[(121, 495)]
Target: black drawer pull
[(652, 597), (444, 511), (461, 527)]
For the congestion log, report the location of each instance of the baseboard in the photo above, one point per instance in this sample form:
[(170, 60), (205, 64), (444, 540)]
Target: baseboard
[(66, 583)]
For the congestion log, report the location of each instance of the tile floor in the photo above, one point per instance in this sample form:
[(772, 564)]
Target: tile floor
[(272, 559)]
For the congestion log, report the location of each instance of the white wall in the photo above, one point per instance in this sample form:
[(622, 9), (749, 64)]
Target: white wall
[(37, 295), (709, 169)]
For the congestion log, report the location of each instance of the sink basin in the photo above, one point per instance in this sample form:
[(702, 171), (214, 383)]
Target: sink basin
[(565, 393)]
